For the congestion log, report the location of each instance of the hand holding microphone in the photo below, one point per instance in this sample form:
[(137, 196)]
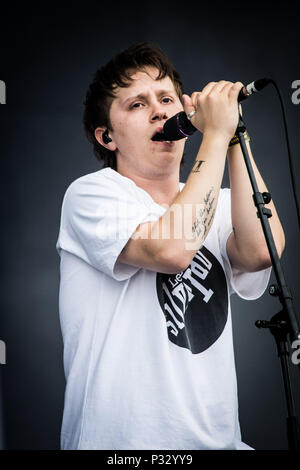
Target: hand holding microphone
[(179, 126), (215, 108)]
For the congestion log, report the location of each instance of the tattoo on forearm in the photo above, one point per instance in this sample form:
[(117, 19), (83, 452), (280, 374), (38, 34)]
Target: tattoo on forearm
[(208, 195), (211, 218), (205, 216), (198, 227), (196, 168), (209, 205)]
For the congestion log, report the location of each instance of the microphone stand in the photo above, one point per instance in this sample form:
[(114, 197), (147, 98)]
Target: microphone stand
[(285, 322)]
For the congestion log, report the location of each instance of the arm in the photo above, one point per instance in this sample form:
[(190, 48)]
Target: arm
[(170, 244), (246, 246), (188, 220)]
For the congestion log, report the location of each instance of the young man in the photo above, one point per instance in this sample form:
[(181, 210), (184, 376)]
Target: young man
[(148, 265)]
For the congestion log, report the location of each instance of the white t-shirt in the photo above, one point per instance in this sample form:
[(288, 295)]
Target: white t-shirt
[(148, 357)]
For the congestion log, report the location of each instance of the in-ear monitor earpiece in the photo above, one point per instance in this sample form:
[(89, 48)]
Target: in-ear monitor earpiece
[(105, 137)]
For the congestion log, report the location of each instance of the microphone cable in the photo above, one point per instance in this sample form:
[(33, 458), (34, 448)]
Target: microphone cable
[(291, 165)]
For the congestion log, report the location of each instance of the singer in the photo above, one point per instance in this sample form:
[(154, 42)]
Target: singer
[(148, 265)]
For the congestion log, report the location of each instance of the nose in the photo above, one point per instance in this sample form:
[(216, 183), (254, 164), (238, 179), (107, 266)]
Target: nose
[(158, 115)]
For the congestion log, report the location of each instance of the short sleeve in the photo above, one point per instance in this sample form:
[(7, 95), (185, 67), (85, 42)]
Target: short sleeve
[(247, 285), (100, 212)]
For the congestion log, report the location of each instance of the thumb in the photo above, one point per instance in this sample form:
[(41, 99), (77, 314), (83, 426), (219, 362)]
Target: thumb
[(187, 104)]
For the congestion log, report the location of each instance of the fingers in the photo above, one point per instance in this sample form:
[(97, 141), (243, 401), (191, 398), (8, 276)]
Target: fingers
[(229, 89), (220, 86), (187, 104), (235, 90), (216, 107), (208, 88), (197, 95)]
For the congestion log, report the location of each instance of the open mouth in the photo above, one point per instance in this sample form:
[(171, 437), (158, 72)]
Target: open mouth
[(160, 137)]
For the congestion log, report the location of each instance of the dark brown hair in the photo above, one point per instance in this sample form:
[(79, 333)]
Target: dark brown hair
[(117, 73)]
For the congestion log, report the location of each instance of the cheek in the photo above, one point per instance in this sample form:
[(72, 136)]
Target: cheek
[(129, 134), (131, 125)]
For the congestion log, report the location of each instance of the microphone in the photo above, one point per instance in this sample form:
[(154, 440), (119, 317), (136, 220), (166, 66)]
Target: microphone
[(179, 126)]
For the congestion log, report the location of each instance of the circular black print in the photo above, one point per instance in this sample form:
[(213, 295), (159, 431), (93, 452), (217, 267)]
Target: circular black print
[(195, 302)]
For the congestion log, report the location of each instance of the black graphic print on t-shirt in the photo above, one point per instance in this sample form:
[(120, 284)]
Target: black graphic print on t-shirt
[(195, 302)]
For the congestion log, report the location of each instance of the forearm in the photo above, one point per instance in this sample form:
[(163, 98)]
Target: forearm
[(248, 232), (188, 220), (214, 112)]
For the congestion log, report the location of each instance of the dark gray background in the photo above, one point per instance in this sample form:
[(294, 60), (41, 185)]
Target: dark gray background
[(48, 56)]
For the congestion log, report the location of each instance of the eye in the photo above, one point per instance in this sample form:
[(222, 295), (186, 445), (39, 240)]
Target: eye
[(136, 105), (167, 100)]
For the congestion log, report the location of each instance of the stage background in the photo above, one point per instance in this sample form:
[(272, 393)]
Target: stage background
[(48, 57)]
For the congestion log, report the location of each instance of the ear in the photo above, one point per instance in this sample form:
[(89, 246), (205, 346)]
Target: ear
[(99, 137)]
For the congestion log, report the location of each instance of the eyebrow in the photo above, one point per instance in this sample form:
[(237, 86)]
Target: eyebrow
[(142, 96)]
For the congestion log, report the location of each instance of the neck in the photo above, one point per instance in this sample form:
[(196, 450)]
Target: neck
[(162, 190)]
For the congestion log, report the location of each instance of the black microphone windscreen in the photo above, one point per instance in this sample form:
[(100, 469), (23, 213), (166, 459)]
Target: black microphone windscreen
[(178, 127)]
